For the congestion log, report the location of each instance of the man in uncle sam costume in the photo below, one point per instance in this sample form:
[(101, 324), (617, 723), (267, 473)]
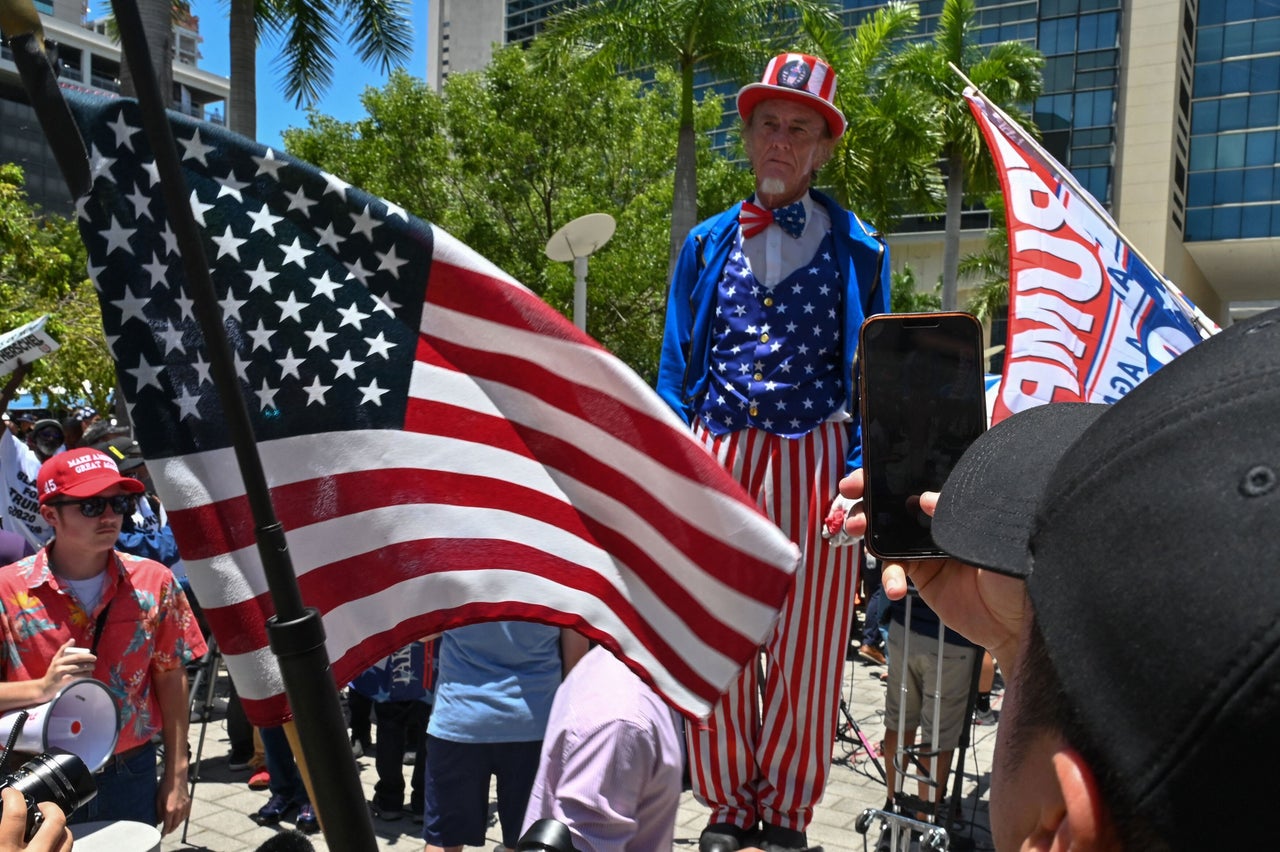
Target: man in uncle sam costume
[(762, 323)]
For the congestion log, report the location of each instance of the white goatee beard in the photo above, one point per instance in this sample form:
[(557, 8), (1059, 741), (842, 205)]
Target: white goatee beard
[(771, 186)]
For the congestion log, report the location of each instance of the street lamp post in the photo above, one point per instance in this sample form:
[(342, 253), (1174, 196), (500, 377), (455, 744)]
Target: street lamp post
[(576, 241)]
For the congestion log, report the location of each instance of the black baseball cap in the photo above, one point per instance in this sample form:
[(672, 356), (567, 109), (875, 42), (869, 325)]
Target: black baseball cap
[(1148, 533), (124, 451)]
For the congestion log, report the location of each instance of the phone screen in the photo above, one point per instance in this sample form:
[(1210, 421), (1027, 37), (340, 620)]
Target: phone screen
[(923, 404)]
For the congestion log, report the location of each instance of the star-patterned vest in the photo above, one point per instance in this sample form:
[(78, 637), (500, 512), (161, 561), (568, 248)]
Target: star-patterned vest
[(775, 356)]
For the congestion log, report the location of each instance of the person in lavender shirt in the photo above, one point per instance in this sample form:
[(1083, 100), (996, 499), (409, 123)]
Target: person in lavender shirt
[(612, 760)]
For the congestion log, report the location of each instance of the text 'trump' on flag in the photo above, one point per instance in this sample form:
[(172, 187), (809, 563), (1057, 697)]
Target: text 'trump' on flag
[(1088, 318)]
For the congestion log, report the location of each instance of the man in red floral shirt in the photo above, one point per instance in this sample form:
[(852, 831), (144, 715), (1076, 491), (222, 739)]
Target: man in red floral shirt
[(79, 592)]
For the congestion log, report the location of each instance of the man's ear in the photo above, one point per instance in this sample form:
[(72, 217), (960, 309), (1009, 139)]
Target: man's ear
[(49, 513), (1086, 825), (826, 152)]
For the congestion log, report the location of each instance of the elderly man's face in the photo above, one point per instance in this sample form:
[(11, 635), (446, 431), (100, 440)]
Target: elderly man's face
[(786, 143)]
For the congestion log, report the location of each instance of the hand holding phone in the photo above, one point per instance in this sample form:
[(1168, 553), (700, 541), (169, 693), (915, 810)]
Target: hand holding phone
[(922, 404)]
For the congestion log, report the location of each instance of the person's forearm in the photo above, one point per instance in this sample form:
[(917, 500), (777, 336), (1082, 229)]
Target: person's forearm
[(22, 693), (173, 801), (171, 694), (11, 386), (573, 647)]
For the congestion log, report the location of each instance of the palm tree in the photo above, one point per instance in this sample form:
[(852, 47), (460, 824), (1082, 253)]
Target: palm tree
[(990, 266), (904, 298), (1009, 74), (380, 29), (158, 17), (731, 39), (887, 162)]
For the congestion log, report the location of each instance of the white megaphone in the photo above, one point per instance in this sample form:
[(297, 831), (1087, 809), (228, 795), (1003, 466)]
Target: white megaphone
[(82, 718)]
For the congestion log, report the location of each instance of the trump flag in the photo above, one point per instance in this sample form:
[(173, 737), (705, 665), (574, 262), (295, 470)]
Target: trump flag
[(441, 446), (1088, 318)]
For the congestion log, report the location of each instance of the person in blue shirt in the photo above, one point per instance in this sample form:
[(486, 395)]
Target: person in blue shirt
[(494, 689)]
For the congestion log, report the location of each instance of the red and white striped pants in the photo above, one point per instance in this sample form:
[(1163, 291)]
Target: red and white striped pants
[(765, 750)]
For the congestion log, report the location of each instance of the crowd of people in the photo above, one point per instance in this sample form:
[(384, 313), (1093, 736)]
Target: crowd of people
[(1083, 540)]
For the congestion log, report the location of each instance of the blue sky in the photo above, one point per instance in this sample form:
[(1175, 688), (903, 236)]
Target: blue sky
[(341, 99)]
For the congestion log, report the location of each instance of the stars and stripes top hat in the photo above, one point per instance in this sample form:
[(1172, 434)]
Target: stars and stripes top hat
[(796, 77)]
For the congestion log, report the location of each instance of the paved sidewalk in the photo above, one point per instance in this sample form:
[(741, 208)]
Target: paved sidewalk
[(220, 823)]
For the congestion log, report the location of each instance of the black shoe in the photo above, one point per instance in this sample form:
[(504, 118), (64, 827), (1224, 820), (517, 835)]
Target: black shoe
[(986, 717), (775, 838), (722, 837), (307, 822), (276, 809), (386, 813)]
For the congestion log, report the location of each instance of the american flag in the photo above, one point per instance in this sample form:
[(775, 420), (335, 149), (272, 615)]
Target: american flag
[(441, 446)]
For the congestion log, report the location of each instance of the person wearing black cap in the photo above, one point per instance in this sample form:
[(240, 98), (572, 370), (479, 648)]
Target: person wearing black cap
[(146, 532), (46, 439), (757, 357), (1086, 539)]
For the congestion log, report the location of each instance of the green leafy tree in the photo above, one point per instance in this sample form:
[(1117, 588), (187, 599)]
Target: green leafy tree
[(990, 266), (905, 298), (42, 271), (729, 39), (503, 157), (380, 31), (1009, 73), (886, 163)]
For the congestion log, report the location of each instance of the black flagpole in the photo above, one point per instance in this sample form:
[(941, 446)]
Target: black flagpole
[(296, 631)]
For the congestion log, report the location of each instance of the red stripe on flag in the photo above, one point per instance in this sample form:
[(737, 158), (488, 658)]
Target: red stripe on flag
[(227, 525), (745, 573), (487, 298), (366, 574)]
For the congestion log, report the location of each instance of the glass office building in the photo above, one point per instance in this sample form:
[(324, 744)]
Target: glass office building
[(1076, 113), (1233, 190)]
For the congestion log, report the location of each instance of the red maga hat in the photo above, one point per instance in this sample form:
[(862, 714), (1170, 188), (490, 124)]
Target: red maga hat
[(81, 473)]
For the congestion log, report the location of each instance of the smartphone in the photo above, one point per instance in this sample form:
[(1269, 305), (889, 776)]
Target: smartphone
[(923, 403)]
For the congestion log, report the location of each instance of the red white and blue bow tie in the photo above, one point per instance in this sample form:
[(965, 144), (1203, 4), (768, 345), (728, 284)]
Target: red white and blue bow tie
[(753, 218)]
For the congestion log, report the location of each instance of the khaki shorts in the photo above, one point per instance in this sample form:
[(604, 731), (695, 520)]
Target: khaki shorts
[(922, 678)]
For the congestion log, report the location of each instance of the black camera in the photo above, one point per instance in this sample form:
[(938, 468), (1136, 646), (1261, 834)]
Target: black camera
[(546, 835), (55, 776)]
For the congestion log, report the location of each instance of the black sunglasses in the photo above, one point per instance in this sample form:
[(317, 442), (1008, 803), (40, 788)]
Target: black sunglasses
[(92, 507)]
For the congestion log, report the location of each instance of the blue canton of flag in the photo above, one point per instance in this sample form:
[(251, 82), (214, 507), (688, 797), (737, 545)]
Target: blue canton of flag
[(311, 351), (441, 446)]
